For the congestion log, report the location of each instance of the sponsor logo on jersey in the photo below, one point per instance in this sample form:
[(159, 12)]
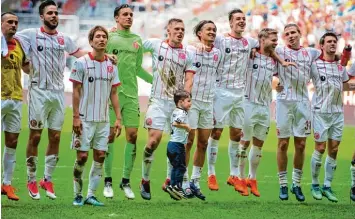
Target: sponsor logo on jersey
[(255, 66), (60, 40), (228, 50), (160, 58), (197, 64), (115, 51), (322, 78), (40, 48)]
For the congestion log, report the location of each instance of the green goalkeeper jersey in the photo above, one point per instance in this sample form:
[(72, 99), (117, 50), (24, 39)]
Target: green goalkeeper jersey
[(128, 49)]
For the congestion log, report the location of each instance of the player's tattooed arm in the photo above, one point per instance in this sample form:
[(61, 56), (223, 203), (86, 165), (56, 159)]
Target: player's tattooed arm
[(77, 125), (116, 108)]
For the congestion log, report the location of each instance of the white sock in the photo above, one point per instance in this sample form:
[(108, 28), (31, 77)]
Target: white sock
[(9, 160), (185, 180), (78, 178), (297, 176), (242, 160), (329, 167), (316, 164), (233, 149), (283, 178), (254, 160), (212, 151), (50, 164), (352, 171), (31, 163), (169, 167), (148, 158), (94, 178), (196, 175)]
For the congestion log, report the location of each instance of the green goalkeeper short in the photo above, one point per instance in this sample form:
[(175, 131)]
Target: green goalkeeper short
[(129, 111)]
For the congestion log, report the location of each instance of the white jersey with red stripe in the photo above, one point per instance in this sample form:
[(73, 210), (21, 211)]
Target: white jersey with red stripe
[(205, 64), (352, 69), (260, 72), (328, 79), (169, 67), (295, 79), (97, 79), (236, 52), (47, 54)]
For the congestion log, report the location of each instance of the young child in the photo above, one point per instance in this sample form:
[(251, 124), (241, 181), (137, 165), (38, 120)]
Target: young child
[(176, 146)]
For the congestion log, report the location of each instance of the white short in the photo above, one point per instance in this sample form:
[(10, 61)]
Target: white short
[(46, 108), (158, 114), (11, 114), (256, 121), (228, 108), (94, 136), (201, 115), (293, 119), (327, 126)]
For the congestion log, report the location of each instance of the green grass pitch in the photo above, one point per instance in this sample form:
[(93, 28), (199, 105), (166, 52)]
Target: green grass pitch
[(226, 203)]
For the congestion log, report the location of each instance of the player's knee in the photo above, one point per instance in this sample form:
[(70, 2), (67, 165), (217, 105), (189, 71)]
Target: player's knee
[(11, 143), (283, 145), (132, 137), (82, 158), (35, 139), (216, 134), (202, 144), (334, 151), (153, 142), (54, 138), (300, 146), (111, 138), (100, 156)]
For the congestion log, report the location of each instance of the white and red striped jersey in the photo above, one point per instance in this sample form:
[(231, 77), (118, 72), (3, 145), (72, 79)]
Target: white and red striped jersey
[(236, 52), (205, 64), (97, 79), (295, 80), (169, 67), (47, 54), (258, 88), (328, 79), (352, 69)]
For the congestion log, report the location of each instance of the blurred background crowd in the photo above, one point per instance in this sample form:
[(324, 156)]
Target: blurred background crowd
[(314, 17)]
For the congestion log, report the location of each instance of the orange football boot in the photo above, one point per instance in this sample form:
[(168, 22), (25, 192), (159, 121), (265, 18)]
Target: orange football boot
[(212, 183)]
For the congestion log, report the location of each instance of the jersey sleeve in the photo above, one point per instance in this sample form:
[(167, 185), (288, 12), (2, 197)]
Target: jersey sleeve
[(253, 42), (345, 75), (180, 117), (217, 41), (191, 65), (150, 44), (77, 72), (351, 71), (116, 80), (24, 37), (314, 53), (70, 46)]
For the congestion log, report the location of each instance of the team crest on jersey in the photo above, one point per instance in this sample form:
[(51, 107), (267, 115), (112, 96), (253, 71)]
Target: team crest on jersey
[(182, 56), (109, 69), (60, 40), (136, 45), (340, 68), (149, 121), (245, 42), (316, 135), (215, 57), (304, 53)]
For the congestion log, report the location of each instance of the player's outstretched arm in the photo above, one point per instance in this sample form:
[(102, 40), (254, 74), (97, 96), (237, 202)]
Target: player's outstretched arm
[(141, 72), (116, 108), (281, 61)]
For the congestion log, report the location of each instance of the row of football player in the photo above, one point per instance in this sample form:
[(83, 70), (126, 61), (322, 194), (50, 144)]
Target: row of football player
[(154, 124)]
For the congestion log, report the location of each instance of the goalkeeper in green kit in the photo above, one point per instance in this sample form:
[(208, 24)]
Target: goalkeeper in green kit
[(129, 51)]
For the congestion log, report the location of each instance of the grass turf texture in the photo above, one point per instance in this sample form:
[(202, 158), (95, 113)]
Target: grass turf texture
[(226, 203)]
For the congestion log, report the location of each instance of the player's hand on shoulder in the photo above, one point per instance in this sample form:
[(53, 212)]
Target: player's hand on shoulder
[(77, 125), (287, 64), (253, 53), (118, 127), (112, 58), (279, 88), (113, 29)]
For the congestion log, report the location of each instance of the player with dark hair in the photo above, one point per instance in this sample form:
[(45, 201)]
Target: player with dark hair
[(127, 46)]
